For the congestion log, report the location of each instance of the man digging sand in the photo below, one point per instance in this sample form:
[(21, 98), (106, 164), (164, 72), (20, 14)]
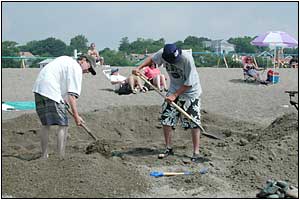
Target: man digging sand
[(185, 90), (59, 83)]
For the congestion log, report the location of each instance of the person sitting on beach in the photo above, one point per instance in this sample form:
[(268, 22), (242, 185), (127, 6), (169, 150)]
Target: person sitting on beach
[(124, 85), (93, 52), (57, 86), (251, 69), (294, 62), (155, 77)]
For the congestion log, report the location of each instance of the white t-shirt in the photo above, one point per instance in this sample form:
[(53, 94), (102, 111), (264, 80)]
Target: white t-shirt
[(114, 78), (58, 78)]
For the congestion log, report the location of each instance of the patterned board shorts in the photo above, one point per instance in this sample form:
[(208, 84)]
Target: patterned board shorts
[(170, 114), (50, 112)]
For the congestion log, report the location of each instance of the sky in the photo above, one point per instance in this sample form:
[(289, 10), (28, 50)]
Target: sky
[(106, 23)]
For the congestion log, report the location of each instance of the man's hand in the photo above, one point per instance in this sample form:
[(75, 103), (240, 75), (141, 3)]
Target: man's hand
[(171, 98), (78, 120), (136, 72)]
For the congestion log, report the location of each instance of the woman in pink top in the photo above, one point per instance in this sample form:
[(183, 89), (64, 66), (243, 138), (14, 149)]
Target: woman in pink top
[(155, 77)]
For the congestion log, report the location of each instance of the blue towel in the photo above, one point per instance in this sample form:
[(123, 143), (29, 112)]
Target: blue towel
[(21, 105)]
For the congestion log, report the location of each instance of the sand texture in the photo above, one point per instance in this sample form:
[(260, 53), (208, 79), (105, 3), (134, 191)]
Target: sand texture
[(258, 126)]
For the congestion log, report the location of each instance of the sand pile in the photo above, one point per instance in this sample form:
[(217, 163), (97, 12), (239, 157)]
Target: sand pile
[(272, 155), (130, 137)]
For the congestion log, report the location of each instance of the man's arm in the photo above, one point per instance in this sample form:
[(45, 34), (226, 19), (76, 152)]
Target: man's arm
[(89, 52), (116, 82), (146, 63), (178, 92), (73, 104), (97, 54)]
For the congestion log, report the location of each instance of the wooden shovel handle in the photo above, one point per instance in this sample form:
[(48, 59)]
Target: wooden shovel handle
[(179, 108), (82, 125)]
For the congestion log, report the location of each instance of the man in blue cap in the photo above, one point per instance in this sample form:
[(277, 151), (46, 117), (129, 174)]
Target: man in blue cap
[(185, 90)]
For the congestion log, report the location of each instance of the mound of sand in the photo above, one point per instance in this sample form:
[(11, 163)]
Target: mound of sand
[(259, 127), (131, 137)]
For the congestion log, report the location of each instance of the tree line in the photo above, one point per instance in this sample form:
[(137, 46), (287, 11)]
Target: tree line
[(53, 47)]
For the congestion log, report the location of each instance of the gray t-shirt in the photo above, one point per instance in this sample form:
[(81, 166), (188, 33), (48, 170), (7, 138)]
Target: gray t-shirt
[(182, 73)]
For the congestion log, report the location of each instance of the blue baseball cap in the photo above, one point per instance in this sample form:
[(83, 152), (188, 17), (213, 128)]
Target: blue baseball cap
[(113, 70), (171, 53)]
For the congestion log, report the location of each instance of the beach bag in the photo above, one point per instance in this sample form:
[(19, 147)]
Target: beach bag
[(124, 89)]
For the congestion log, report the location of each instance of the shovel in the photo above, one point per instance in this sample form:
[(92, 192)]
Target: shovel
[(83, 125), (160, 174), (180, 109)]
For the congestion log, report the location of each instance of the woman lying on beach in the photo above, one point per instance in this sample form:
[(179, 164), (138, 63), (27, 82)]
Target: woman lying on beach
[(124, 85)]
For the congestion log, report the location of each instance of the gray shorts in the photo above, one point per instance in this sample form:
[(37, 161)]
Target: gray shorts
[(252, 72), (170, 114), (50, 112)]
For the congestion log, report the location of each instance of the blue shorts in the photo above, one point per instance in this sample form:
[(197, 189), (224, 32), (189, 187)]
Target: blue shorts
[(50, 112), (170, 114)]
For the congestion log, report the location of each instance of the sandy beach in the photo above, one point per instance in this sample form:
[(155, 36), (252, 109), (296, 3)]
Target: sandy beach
[(259, 127)]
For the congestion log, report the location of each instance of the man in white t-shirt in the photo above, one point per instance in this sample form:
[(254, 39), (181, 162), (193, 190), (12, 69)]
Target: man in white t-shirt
[(59, 84)]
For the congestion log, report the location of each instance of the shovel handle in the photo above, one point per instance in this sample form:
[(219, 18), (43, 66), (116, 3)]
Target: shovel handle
[(179, 108), (82, 124)]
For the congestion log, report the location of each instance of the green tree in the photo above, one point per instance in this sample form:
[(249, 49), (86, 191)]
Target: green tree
[(9, 48), (79, 42), (291, 50), (115, 58), (124, 45), (243, 45), (49, 47), (53, 47)]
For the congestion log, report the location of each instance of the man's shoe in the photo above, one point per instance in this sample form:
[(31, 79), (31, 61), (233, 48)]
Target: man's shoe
[(196, 157), (167, 152)]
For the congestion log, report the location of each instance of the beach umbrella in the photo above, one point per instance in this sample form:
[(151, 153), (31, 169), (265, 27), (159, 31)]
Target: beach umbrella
[(274, 39)]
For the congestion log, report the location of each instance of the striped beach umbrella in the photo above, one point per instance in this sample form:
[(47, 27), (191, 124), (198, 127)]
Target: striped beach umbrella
[(275, 39)]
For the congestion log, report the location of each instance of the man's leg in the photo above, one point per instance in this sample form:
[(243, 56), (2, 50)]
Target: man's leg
[(44, 140), (168, 136), (131, 82), (163, 80), (62, 140), (139, 82), (157, 81), (196, 140)]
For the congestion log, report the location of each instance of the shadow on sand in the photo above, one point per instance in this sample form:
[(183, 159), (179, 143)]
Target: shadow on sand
[(252, 82), (139, 151), (107, 89)]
